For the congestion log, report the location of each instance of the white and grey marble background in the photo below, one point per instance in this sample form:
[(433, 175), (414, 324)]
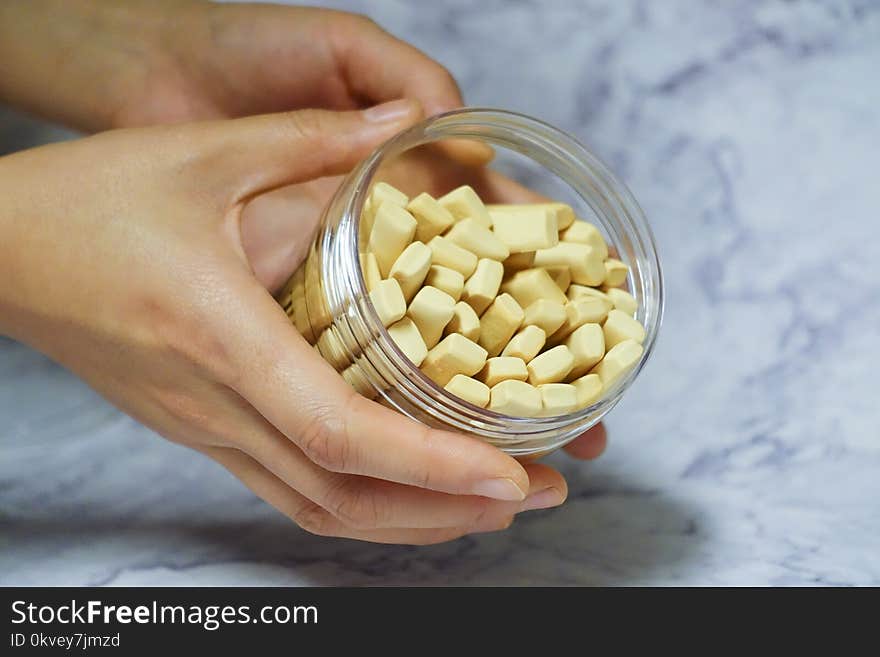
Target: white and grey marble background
[(749, 450)]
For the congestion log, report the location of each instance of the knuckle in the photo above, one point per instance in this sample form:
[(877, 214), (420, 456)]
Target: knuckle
[(358, 506), (423, 475), (326, 439), (319, 132), (326, 444), (306, 123)]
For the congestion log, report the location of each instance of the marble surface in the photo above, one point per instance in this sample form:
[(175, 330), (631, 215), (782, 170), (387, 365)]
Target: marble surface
[(749, 450)]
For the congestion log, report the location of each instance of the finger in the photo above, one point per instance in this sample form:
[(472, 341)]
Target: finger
[(367, 503), (301, 395), (317, 520), (247, 156), (590, 445), (381, 67), (548, 488)]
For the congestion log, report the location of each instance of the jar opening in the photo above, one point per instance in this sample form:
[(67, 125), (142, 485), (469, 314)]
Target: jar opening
[(613, 208)]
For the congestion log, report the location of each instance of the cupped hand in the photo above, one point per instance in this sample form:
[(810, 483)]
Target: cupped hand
[(121, 257)]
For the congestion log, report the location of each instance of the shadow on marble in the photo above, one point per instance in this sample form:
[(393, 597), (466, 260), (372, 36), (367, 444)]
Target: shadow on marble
[(611, 532)]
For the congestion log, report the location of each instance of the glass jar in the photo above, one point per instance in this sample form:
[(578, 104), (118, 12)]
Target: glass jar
[(327, 300)]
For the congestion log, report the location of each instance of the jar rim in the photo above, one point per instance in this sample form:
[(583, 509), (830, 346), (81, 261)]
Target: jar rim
[(589, 178)]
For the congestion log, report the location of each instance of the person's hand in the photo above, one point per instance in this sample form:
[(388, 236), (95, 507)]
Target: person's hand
[(146, 62), (121, 257), (150, 62)]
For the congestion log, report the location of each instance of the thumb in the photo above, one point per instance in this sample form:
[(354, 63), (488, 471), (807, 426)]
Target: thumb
[(254, 154)]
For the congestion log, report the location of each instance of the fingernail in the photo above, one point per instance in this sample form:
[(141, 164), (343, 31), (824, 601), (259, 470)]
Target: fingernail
[(543, 499), (502, 488), (391, 111)]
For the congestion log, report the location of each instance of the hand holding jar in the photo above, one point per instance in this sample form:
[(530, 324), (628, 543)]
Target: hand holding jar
[(144, 259)]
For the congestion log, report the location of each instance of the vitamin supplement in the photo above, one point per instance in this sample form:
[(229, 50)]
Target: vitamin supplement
[(470, 235), (406, 336), (454, 355), (482, 287), (587, 345), (410, 269), (619, 327), (393, 230), (449, 254), (370, 269), (517, 398), (545, 314), (585, 233), (431, 309), (562, 213), (432, 219), (550, 367), (387, 299), (615, 272), (465, 321), (586, 265), (586, 310), (518, 261), (499, 323), (468, 389), (622, 300), (529, 285), (561, 276), (558, 399), (618, 361), (463, 203), (381, 192), (502, 368), (578, 291), (523, 232), (527, 343), (446, 279), (589, 389)]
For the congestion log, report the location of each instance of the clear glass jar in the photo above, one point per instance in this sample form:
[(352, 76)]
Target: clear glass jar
[(327, 299)]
